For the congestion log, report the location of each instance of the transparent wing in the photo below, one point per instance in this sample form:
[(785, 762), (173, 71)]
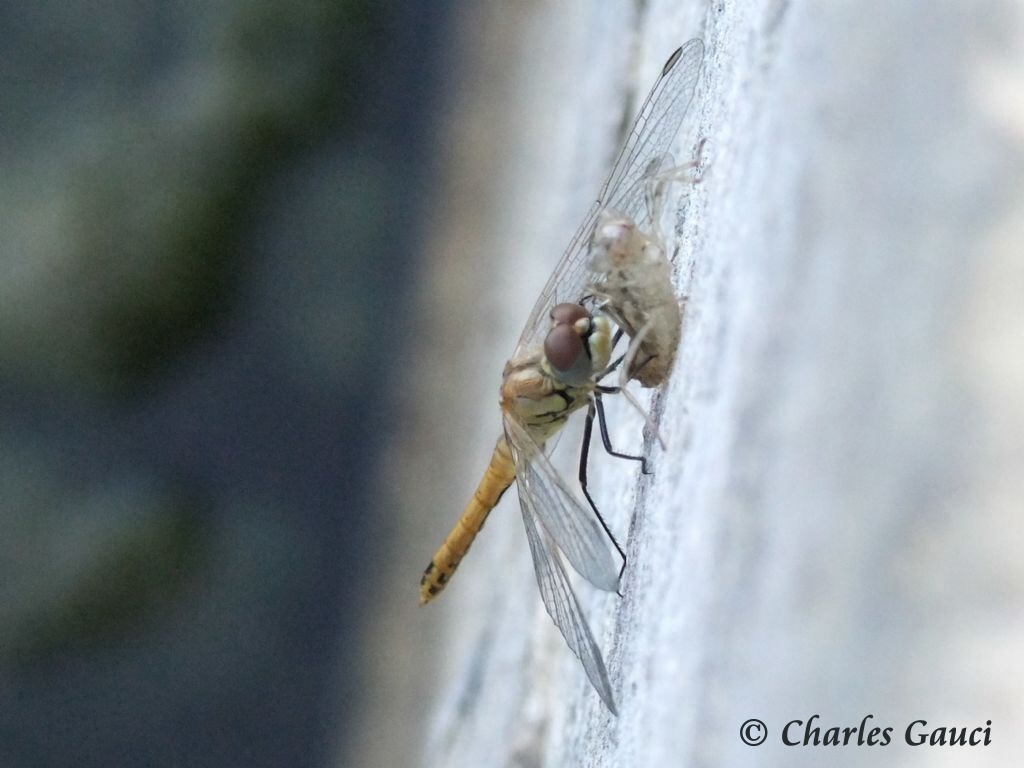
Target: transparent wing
[(573, 526), (642, 156), (562, 605)]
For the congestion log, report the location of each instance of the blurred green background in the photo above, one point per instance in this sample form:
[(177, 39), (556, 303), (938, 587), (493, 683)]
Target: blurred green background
[(208, 223)]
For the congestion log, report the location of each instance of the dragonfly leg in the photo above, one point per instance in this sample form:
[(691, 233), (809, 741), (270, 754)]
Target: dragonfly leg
[(588, 431), (629, 356), (602, 423), (617, 361), (624, 374)]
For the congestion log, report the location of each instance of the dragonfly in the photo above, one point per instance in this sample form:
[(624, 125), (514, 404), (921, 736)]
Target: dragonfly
[(556, 369)]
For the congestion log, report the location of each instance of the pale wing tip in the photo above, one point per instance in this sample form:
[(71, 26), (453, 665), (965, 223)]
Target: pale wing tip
[(599, 679), (609, 702), (692, 48)]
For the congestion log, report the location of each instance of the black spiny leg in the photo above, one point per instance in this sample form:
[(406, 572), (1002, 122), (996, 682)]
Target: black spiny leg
[(588, 431), (614, 365), (618, 361), (603, 424)]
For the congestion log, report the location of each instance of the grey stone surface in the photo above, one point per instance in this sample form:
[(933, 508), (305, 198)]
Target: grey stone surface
[(834, 527)]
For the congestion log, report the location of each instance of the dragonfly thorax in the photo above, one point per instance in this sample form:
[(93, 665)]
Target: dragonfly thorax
[(543, 389)]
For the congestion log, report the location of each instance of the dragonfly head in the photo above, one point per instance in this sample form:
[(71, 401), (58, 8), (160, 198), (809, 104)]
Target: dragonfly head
[(578, 344)]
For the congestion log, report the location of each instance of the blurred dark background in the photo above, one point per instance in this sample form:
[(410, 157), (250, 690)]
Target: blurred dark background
[(208, 228)]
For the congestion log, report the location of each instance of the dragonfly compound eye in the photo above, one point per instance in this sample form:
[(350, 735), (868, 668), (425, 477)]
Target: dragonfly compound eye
[(567, 354), (568, 314)]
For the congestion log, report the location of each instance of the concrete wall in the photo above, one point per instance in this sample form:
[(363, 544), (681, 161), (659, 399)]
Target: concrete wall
[(833, 528)]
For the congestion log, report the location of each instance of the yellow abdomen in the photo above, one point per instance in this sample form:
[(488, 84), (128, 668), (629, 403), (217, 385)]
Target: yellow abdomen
[(497, 478)]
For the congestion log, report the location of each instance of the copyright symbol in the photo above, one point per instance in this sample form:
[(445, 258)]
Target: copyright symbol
[(753, 732)]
